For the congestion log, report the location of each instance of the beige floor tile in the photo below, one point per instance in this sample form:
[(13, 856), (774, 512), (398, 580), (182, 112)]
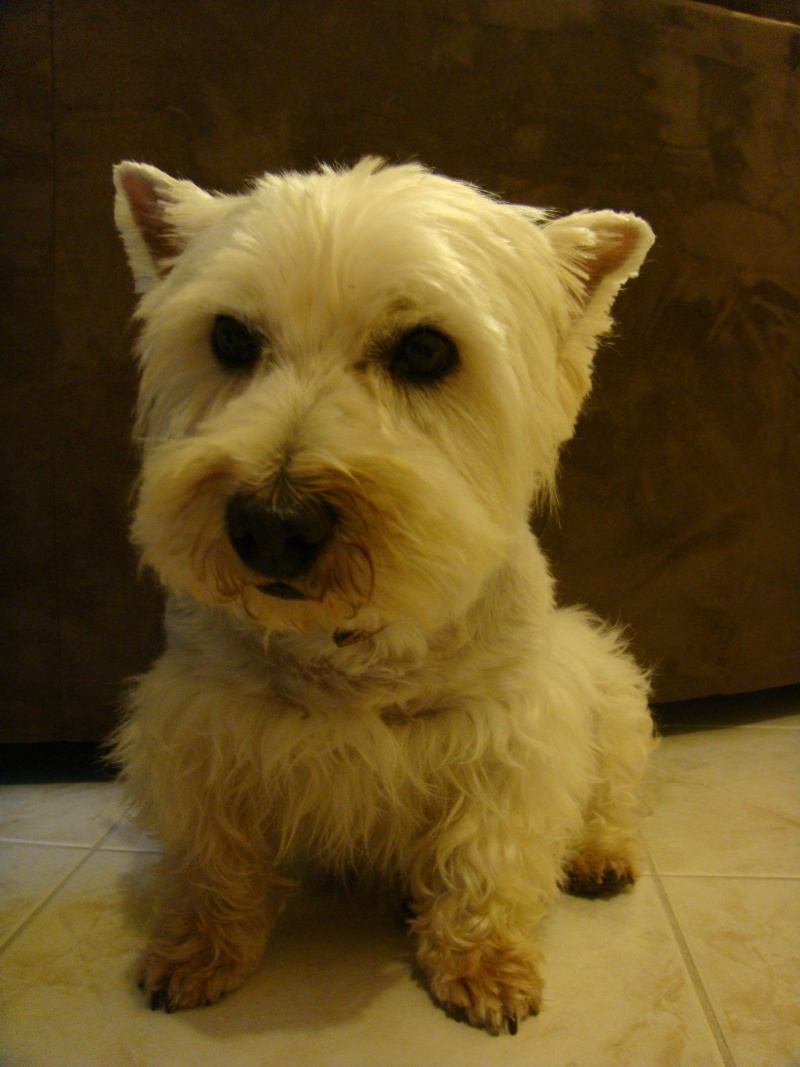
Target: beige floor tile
[(782, 722), (337, 990), (127, 837), (70, 814), (726, 801), (744, 935), (619, 990), (28, 874)]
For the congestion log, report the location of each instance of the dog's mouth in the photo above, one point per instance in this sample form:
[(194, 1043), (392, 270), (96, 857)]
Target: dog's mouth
[(342, 636), (282, 591)]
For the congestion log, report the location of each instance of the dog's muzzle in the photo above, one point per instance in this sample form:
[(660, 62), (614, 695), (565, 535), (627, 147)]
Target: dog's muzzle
[(281, 542)]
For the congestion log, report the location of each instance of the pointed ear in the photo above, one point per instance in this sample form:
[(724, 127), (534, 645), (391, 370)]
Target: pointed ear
[(597, 252), (156, 215)]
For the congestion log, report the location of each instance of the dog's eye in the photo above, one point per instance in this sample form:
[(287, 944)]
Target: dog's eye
[(236, 346), (423, 355)]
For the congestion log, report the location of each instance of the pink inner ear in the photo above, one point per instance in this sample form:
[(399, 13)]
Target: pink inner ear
[(148, 212), (615, 248)]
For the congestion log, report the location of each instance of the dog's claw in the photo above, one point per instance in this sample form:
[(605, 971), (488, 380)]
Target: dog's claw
[(407, 910), (458, 1015), (511, 1024), (607, 884), (159, 1001)]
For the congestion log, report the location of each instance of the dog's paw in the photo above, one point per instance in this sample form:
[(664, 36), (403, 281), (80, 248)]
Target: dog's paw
[(486, 986), (171, 984), (189, 967), (593, 873)]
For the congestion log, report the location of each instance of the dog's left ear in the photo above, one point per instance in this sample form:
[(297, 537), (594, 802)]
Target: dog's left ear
[(156, 216), (597, 252)]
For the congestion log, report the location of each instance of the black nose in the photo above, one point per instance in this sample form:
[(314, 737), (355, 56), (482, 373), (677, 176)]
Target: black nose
[(280, 541)]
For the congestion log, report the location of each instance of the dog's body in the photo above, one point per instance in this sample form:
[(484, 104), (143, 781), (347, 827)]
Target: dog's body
[(353, 386)]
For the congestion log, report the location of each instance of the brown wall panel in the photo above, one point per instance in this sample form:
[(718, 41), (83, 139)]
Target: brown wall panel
[(679, 513), (29, 616)]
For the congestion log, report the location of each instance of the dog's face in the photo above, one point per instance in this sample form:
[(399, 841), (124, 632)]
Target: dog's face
[(354, 384)]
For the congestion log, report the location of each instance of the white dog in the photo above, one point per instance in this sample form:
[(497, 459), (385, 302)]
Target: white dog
[(354, 384)]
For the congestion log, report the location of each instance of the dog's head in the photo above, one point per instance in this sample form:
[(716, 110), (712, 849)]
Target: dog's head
[(354, 383)]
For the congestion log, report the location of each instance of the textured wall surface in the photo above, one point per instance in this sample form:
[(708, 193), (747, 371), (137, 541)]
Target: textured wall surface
[(680, 508)]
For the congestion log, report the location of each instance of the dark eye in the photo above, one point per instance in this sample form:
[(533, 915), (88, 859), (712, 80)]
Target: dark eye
[(236, 346), (423, 355)]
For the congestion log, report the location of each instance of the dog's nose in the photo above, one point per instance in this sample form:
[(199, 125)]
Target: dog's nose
[(281, 542)]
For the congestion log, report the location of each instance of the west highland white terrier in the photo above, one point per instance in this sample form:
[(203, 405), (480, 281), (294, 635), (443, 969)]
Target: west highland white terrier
[(354, 385)]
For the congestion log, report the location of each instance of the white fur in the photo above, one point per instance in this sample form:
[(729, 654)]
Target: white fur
[(473, 740)]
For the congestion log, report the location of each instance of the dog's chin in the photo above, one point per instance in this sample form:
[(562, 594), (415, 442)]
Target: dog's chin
[(343, 636), (288, 607)]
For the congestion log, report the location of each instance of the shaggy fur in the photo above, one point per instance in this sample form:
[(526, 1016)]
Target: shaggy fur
[(421, 710)]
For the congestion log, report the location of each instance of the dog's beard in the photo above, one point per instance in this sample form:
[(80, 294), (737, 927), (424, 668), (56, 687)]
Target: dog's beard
[(404, 549)]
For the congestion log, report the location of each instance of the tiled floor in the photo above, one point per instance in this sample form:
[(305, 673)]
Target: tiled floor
[(699, 965)]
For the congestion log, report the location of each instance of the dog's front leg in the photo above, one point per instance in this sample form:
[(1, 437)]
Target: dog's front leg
[(483, 971), (214, 895), (211, 921), (475, 944)]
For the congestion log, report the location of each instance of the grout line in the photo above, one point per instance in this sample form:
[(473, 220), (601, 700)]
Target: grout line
[(12, 937), (770, 727), (732, 877), (694, 974), (64, 844), (669, 731), (90, 851), (99, 844), (728, 724), (45, 844), (133, 851), (83, 846)]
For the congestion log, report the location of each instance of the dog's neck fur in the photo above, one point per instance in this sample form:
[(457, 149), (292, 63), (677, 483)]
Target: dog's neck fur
[(401, 655)]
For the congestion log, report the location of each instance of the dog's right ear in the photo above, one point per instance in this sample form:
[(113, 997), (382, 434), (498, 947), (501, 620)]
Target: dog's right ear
[(156, 216)]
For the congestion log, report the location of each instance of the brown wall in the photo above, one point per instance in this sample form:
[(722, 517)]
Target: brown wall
[(680, 505)]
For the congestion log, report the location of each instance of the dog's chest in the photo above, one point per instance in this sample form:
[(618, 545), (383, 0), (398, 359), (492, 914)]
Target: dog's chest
[(352, 778)]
